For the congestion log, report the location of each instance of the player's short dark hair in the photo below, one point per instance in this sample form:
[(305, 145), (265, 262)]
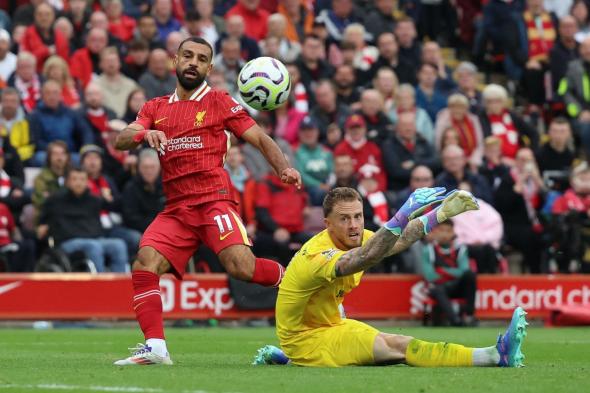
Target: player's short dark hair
[(197, 40), (339, 194)]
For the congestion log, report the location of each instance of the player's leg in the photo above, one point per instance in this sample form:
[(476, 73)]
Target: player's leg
[(226, 235), (147, 304), (391, 348), (166, 246)]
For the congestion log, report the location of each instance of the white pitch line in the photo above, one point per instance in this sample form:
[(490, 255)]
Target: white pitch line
[(123, 389)]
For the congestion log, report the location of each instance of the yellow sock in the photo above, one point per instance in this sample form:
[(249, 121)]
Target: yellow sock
[(426, 354)]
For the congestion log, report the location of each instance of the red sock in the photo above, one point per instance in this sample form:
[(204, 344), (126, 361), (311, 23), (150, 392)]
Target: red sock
[(147, 303), (268, 273)]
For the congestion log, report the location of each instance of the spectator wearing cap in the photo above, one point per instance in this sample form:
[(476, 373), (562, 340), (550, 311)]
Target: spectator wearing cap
[(147, 30), (327, 109), (366, 155), (52, 121), (103, 187), (115, 86), (404, 150), (120, 25), (410, 48), (312, 66), (299, 19), (455, 171), (80, 229), (249, 48), (85, 62), (565, 50), (51, 178), (143, 196), (389, 57), (136, 61), (165, 20), (157, 80), (469, 135), (428, 96), (26, 80), (379, 127), (7, 58), (314, 162), (466, 77), (255, 17), (41, 39), (14, 126)]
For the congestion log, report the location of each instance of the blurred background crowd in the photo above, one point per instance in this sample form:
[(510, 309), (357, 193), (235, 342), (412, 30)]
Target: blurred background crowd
[(387, 96)]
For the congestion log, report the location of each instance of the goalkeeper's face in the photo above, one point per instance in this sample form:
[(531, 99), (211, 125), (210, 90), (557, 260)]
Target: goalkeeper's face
[(345, 224)]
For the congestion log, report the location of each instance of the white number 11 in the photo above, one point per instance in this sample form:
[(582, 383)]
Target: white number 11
[(220, 222)]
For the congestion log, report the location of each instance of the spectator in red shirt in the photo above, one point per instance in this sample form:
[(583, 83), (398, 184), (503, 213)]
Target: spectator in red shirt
[(365, 154), (84, 63), (120, 25), (41, 39), (280, 211), (255, 18)]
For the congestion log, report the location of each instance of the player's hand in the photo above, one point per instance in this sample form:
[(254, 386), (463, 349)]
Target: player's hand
[(422, 198), (157, 140), (291, 176)]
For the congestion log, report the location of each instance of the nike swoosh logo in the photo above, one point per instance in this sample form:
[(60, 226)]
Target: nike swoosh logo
[(222, 237), (10, 287), (160, 120)]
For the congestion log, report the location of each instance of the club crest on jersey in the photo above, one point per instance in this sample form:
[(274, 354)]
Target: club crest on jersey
[(199, 117)]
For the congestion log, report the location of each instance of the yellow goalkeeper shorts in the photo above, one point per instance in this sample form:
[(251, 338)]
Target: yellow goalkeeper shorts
[(348, 344)]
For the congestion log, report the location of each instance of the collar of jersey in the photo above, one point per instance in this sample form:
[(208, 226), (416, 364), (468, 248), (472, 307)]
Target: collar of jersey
[(197, 95)]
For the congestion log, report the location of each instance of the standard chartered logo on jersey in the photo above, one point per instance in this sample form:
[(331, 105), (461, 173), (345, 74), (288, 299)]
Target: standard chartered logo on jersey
[(184, 143)]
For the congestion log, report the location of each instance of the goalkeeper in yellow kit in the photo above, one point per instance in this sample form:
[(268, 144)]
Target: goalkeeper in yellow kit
[(310, 328)]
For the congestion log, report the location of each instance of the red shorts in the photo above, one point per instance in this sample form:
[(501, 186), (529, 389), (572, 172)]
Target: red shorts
[(177, 232)]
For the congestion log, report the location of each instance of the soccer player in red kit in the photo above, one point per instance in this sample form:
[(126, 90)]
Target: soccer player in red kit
[(191, 130)]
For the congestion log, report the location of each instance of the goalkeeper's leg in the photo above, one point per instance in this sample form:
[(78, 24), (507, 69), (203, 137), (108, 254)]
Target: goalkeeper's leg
[(392, 349)]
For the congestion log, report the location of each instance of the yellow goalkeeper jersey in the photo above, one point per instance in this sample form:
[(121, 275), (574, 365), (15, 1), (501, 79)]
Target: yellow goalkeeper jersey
[(310, 292)]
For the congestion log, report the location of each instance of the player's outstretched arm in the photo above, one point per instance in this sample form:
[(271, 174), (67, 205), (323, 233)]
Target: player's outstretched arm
[(368, 255), (383, 242), (273, 154), (135, 134)]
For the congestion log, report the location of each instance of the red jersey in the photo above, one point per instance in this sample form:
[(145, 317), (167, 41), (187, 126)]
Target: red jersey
[(6, 225), (197, 130)]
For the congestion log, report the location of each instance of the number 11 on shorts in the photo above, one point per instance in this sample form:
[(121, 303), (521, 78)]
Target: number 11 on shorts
[(222, 219)]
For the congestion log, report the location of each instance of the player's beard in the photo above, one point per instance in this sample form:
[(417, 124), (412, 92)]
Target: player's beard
[(189, 84)]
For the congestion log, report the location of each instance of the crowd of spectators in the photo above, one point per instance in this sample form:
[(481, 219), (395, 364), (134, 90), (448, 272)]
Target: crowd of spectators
[(387, 96)]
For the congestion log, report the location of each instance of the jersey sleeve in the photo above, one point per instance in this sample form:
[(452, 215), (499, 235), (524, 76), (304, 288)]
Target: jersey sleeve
[(146, 114), (236, 119), (322, 267)]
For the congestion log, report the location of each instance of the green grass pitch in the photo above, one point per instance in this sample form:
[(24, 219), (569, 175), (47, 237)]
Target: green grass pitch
[(218, 360)]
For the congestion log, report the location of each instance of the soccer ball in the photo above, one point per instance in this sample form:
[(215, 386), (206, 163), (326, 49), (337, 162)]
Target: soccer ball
[(264, 83)]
